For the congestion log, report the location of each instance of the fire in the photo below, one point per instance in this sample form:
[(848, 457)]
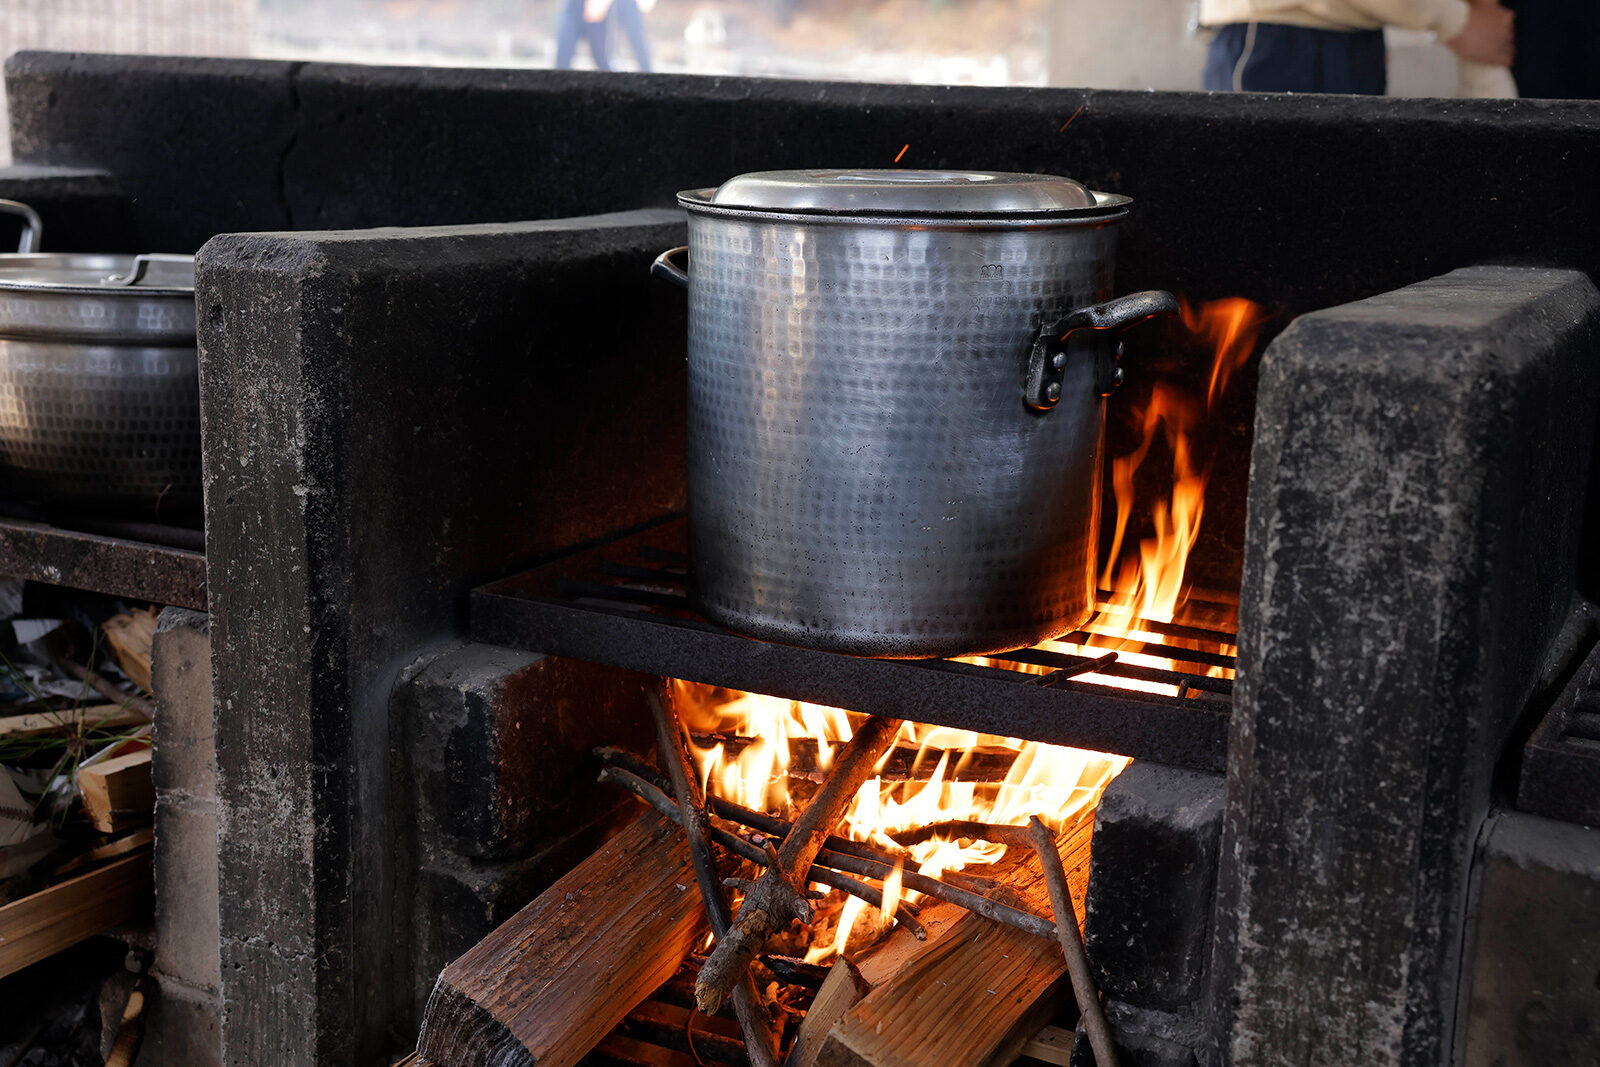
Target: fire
[(1053, 782), (1049, 781), (1151, 584)]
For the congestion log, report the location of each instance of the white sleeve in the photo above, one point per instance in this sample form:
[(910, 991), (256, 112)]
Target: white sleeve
[(1444, 17)]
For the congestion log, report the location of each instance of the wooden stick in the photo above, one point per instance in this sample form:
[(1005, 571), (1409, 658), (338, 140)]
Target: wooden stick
[(101, 685), (754, 1022), (651, 794), (779, 828), (778, 895), (984, 765), (1017, 836), (1071, 938)]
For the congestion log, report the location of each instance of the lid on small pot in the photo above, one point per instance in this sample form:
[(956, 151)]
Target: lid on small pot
[(909, 193), (109, 274)]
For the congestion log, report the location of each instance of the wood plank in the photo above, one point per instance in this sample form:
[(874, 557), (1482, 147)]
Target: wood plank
[(61, 915), (71, 720), (1053, 1044), (559, 975), (118, 793), (977, 993), (108, 851), (644, 1054)]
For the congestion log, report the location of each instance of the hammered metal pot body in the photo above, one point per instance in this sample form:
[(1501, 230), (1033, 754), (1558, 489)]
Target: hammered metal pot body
[(864, 475), (99, 393)]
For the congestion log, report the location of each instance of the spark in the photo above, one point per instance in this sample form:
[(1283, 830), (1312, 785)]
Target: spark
[(902, 154)]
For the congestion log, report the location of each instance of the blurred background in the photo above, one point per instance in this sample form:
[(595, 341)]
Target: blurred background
[(1120, 44)]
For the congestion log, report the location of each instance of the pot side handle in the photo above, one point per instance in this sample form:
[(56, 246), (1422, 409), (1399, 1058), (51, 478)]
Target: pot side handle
[(32, 227), (666, 270), (1042, 389)]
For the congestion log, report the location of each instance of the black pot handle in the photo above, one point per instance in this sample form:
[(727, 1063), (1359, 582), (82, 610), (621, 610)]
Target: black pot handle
[(1042, 390), (667, 270)]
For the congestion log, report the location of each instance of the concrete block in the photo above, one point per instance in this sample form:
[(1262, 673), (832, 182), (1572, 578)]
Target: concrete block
[(394, 416), (186, 892), (458, 902), (185, 760), (1534, 997), (1152, 881), (183, 1029), (500, 741), (1416, 492), (83, 208)]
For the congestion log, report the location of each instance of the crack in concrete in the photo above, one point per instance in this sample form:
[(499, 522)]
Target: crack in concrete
[(279, 180)]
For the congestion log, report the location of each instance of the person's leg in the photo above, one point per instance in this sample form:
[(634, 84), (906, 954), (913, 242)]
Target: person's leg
[(1222, 55), (569, 23), (598, 44), (1354, 63), (629, 17)]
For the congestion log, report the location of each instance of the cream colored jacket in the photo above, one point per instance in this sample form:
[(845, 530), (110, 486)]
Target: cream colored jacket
[(1444, 17)]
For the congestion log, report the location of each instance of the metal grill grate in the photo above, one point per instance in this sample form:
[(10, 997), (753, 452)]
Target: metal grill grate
[(623, 602)]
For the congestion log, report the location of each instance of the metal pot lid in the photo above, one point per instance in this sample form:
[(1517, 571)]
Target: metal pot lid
[(908, 193), (114, 276), (97, 299)]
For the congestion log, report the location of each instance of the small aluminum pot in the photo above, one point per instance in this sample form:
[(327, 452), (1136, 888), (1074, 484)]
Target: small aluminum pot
[(99, 378), (896, 405)]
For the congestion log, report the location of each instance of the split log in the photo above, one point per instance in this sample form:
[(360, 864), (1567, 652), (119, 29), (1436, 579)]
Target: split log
[(558, 976), (118, 793), (977, 992), (61, 915), (779, 894), (130, 637), (841, 990)]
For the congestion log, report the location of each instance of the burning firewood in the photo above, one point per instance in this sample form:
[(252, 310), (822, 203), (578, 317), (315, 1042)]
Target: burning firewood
[(779, 894), (975, 991), (753, 1020)]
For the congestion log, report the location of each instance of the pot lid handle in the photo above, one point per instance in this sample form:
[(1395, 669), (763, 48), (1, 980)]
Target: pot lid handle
[(142, 265), (32, 227)]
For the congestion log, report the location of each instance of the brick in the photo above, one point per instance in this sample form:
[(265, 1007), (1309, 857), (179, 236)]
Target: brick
[(1152, 881)]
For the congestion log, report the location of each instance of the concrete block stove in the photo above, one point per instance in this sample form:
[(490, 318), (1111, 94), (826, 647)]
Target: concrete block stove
[(397, 416)]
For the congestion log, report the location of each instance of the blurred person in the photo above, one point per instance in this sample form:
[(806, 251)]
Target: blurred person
[(586, 19), (1336, 46), (630, 16)]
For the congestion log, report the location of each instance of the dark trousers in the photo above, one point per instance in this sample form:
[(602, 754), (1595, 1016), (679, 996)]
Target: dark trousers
[(1267, 57), (570, 26), (631, 19)]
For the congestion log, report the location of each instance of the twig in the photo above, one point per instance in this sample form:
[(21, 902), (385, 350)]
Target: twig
[(779, 828), (100, 684), (778, 895), (1016, 836), (1071, 938), (754, 1021), (651, 794)]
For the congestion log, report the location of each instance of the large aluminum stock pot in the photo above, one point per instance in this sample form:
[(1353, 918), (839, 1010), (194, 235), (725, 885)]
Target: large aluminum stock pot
[(896, 405), (99, 378)]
